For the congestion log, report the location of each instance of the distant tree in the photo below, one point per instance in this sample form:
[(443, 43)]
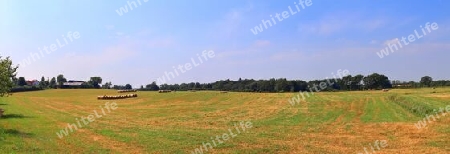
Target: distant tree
[(95, 81), (358, 78), (60, 79), (426, 81), (153, 87), (197, 85), (47, 83), (191, 85), (282, 85), (162, 87), (128, 86), (119, 87), (107, 85), (15, 81), (377, 81), (22, 81), (42, 83), (347, 82), (52, 83), (7, 76), (356, 82)]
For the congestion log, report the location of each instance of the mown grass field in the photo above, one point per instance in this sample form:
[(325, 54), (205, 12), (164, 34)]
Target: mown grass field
[(328, 122)]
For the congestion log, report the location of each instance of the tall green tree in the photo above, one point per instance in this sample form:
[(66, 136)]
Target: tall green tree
[(426, 81), (356, 82), (22, 81), (153, 87), (128, 86), (107, 85), (282, 85), (377, 81), (347, 82), (60, 79), (95, 81), (52, 83), (42, 83), (7, 74)]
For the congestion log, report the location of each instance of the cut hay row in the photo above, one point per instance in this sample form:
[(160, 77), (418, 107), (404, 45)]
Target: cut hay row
[(127, 91), (117, 97)]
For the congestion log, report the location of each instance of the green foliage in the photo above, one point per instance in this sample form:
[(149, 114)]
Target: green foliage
[(377, 81), (43, 83), (128, 86), (95, 81), (426, 81), (60, 79), (154, 87), (107, 85), (7, 74), (52, 83), (22, 81), (25, 88)]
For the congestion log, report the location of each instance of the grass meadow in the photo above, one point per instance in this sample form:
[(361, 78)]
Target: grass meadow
[(179, 122)]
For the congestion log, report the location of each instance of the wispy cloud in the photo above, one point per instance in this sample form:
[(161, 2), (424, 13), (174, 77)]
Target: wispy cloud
[(392, 41), (373, 42), (261, 43), (109, 27), (339, 22), (255, 47), (108, 55), (231, 24), (119, 33), (289, 55), (161, 42)]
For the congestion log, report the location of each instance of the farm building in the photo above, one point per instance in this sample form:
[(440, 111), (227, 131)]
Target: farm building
[(32, 83), (73, 84)]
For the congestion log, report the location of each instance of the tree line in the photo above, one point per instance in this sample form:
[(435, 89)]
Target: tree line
[(346, 83), (373, 81), (20, 84)]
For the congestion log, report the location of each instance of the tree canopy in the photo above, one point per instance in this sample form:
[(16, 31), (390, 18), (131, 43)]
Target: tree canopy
[(426, 81), (7, 75)]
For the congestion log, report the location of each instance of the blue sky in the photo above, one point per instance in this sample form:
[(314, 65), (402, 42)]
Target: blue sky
[(143, 43)]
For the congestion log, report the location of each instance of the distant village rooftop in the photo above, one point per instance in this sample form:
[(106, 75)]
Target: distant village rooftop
[(73, 83)]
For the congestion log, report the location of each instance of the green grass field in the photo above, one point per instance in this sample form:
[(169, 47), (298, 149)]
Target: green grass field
[(328, 122)]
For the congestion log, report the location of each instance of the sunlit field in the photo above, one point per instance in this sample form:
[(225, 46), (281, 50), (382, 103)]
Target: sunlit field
[(180, 122)]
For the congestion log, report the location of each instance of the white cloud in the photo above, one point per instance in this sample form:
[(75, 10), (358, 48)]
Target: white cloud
[(290, 55), (251, 49), (339, 22), (231, 23), (83, 64), (119, 33), (160, 42), (427, 48), (5, 54), (344, 41), (261, 43), (392, 41)]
